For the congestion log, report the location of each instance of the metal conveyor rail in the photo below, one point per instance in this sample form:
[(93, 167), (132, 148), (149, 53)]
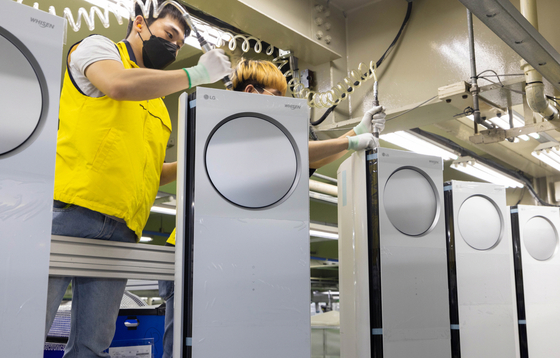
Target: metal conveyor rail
[(72, 256)]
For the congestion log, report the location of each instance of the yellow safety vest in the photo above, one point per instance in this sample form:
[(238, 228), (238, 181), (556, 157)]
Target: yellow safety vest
[(171, 239), (110, 153)]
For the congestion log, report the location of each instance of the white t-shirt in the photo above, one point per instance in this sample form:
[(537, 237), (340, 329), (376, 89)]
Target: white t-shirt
[(90, 50)]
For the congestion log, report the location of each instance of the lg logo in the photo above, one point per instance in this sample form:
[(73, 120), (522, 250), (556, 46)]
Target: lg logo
[(209, 97)]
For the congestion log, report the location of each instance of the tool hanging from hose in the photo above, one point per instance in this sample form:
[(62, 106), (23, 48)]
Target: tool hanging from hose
[(375, 103), (205, 46)]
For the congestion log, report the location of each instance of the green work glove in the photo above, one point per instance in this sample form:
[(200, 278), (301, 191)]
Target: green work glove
[(362, 141)]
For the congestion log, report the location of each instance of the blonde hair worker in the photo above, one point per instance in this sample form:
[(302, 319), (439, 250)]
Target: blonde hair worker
[(263, 77)]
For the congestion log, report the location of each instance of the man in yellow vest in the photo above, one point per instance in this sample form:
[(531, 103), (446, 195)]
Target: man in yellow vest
[(263, 77), (112, 139)]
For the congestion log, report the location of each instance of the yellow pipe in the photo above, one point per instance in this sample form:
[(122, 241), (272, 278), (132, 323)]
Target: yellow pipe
[(529, 10)]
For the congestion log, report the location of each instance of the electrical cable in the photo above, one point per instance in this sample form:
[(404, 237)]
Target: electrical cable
[(412, 109), (499, 80), (468, 111), (554, 99), (121, 7), (388, 119), (504, 75), (520, 197), (502, 86), (339, 93)]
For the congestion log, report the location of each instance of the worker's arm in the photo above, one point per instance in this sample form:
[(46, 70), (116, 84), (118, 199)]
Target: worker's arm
[(135, 84), (168, 173), (327, 151), (141, 84), (323, 152)]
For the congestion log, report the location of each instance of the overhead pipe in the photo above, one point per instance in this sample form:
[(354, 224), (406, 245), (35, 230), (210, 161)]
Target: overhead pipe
[(474, 77), (324, 177), (534, 89), (324, 188)]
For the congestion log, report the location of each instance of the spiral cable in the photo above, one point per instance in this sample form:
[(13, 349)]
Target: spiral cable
[(337, 93), (123, 9), (354, 75), (328, 99), (89, 17)]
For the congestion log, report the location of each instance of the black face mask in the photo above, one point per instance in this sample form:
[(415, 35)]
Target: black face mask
[(158, 53)]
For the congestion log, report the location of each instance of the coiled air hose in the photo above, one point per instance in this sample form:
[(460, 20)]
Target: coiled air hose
[(343, 93)]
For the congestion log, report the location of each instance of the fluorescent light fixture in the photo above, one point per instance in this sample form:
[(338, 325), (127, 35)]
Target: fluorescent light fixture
[(161, 210), (418, 144), (534, 135), (548, 153), (323, 234), (471, 167), (146, 239), (503, 122)]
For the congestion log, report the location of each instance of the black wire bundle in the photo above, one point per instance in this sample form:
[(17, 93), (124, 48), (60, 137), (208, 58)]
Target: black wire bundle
[(379, 62)]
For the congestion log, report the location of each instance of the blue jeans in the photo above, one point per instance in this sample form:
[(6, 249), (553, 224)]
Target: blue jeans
[(95, 301), (167, 293)]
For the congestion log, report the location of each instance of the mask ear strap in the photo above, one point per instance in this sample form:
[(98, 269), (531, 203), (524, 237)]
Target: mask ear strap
[(146, 22)]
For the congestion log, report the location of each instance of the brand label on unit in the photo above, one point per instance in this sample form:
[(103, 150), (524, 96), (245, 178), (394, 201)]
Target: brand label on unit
[(293, 106), (41, 23), (209, 97)]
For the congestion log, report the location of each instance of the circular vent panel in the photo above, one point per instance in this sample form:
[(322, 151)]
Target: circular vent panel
[(411, 202), (480, 223), (252, 161), (540, 238), (21, 98)]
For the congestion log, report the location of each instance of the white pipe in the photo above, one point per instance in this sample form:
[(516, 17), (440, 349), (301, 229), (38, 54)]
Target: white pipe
[(324, 188), (536, 98)]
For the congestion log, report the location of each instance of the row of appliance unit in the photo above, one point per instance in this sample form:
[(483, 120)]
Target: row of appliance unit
[(442, 270)]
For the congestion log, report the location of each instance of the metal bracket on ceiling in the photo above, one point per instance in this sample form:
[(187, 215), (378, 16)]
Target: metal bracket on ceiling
[(515, 30), (499, 135)]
